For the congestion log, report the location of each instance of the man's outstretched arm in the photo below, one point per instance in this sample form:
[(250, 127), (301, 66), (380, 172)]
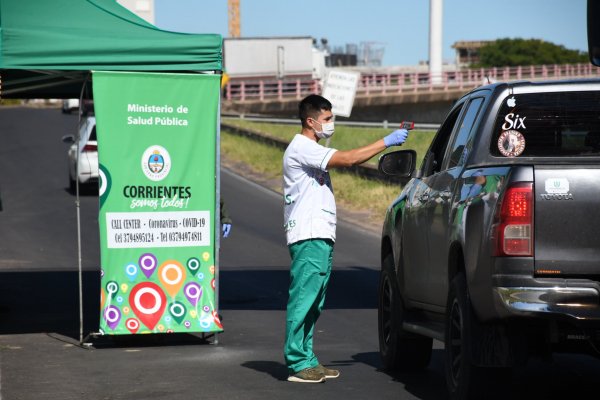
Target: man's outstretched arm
[(348, 158)]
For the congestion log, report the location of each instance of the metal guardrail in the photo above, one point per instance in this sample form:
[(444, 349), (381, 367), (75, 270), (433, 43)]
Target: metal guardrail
[(364, 170)]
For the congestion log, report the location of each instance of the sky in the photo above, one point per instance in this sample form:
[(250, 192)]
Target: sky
[(401, 26)]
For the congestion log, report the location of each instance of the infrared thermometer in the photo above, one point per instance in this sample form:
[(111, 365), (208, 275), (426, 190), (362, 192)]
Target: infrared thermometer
[(408, 125)]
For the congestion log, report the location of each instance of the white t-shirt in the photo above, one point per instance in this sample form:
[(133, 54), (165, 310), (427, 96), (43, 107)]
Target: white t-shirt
[(309, 211)]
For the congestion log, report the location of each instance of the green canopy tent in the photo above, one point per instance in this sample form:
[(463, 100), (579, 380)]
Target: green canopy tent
[(48, 47)]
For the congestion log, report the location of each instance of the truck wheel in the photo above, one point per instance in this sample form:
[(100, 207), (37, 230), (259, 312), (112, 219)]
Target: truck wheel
[(464, 379), (398, 349)]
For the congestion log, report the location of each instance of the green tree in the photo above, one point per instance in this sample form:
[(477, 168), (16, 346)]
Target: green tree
[(513, 52)]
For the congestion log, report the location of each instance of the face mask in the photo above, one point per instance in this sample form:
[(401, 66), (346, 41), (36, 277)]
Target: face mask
[(327, 130)]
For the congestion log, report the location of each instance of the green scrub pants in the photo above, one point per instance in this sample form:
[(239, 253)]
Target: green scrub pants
[(309, 273)]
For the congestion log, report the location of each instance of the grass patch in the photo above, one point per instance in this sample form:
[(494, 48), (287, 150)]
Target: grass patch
[(345, 138), (260, 158), (10, 102), (352, 192)]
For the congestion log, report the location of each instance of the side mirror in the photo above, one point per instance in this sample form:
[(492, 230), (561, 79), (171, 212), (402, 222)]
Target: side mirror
[(398, 163), (68, 139), (593, 31)]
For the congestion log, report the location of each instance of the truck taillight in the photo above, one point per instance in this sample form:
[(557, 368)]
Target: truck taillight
[(514, 227), (90, 147)]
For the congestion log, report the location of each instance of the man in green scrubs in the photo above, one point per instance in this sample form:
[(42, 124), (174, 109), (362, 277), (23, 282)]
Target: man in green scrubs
[(309, 223)]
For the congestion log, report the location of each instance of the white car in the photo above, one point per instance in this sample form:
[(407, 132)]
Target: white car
[(88, 154)]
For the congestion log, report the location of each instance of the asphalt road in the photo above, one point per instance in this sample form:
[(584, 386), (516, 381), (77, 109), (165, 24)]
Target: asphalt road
[(39, 312)]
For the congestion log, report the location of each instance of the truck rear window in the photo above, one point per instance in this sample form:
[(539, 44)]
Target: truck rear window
[(552, 124)]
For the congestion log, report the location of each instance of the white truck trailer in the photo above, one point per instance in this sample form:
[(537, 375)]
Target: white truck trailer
[(270, 57)]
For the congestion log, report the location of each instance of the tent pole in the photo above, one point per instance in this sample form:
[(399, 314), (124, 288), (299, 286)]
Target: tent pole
[(78, 207)]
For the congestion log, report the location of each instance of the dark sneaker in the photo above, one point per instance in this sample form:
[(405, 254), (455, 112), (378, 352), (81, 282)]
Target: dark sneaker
[(329, 373), (308, 375)]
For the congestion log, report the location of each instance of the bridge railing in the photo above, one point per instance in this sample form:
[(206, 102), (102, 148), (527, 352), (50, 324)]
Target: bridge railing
[(271, 89), (390, 83)]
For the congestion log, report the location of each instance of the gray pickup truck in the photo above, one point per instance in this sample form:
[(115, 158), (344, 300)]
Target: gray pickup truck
[(493, 246)]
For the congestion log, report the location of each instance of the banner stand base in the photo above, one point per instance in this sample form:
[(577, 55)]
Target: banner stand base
[(94, 340)]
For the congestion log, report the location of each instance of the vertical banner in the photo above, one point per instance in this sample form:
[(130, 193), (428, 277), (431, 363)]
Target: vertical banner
[(157, 138)]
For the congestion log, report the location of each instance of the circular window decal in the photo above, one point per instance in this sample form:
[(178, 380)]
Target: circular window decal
[(511, 143)]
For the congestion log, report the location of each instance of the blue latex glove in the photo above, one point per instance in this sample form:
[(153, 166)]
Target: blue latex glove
[(226, 229), (396, 138)]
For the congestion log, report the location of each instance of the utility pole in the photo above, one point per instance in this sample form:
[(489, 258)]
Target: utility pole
[(435, 41), (233, 8)]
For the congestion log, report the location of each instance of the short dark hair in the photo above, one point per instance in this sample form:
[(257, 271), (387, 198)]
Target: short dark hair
[(311, 106)]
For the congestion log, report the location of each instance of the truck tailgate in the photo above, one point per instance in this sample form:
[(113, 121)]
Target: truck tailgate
[(567, 220)]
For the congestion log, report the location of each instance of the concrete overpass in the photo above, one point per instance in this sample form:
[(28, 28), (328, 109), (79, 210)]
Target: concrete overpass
[(389, 96)]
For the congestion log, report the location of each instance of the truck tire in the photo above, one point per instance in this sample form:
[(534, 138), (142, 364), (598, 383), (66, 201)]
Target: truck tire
[(464, 379), (399, 350)]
